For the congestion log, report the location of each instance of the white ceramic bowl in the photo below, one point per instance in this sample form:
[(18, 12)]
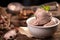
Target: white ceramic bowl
[(40, 31)]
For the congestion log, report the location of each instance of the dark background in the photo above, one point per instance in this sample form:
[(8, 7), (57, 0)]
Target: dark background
[(4, 3)]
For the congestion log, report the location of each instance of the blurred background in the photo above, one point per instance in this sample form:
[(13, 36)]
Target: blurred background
[(26, 2)]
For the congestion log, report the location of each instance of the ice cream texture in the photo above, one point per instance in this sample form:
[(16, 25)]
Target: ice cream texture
[(42, 17)]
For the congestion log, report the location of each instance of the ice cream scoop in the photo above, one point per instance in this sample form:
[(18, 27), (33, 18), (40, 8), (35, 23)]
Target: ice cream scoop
[(52, 22), (42, 17)]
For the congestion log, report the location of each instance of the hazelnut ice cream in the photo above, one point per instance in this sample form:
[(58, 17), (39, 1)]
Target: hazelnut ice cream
[(42, 17)]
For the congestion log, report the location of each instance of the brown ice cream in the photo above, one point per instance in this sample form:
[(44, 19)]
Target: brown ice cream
[(52, 22), (42, 17)]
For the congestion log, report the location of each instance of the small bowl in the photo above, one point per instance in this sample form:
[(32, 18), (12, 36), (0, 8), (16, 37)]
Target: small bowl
[(40, 31)]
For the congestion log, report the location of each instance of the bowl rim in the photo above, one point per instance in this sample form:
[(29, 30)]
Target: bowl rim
[(53, 18)]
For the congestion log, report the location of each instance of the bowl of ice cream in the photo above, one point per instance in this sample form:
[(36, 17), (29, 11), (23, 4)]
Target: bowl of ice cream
[(41, 31)]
